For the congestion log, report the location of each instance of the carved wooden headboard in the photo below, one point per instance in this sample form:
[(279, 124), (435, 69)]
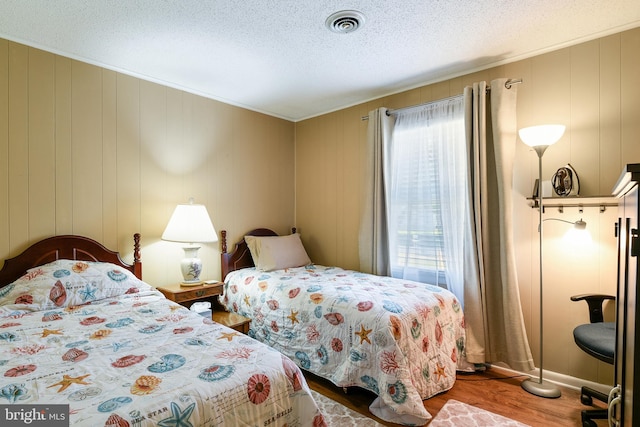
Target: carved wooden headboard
[(66, 247), (240, 257)]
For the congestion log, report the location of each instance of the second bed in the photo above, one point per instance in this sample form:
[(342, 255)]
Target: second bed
[(402, 340)]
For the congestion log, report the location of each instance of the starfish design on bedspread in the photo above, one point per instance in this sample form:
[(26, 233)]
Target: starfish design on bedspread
[(440, 372), (48, 332), (117, 346), (228, 335), (67, 381), (344, 299), (88, 292), (363, 333), (178, 417), (293, 317), (247, 301)]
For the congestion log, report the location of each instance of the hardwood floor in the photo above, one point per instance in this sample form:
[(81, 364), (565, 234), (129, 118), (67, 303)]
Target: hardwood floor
[(490, 390)]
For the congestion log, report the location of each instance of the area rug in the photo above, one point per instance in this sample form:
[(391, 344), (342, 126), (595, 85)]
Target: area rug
[(338, 415), (458, 414)]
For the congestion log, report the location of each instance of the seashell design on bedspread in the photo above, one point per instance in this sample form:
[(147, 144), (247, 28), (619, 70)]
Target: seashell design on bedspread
[(57, 294), (137, 359), (402, 340)]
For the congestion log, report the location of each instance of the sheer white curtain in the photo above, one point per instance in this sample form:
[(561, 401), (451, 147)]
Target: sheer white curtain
[(425, 182), (438, 184)]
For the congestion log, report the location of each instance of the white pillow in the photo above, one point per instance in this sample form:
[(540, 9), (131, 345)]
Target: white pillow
[(277, 252)]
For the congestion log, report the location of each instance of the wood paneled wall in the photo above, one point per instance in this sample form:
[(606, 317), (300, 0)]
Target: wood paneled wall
[(89, 151), (594, 89)]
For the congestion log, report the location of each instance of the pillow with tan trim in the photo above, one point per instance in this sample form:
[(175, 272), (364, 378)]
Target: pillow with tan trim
[(277, 252)]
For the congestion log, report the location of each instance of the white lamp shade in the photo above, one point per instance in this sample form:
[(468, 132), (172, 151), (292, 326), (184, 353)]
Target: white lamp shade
[(535, 136), (190, 224)]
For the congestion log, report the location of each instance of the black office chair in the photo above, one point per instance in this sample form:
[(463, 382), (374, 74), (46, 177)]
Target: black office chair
[(598, 339)]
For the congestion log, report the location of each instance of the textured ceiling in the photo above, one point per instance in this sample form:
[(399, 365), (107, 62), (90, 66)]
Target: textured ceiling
[(277, 56)]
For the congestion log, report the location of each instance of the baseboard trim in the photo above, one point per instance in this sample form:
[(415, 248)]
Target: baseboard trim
[(556, 378)]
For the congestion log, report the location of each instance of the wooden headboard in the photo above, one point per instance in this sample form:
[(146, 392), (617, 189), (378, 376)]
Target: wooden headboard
[(66, 247), (240, 257)]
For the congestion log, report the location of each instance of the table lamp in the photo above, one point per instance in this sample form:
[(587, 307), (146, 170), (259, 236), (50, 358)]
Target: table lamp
[(190, 223)]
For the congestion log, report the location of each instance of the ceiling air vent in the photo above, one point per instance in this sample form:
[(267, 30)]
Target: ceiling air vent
[(345, 21)]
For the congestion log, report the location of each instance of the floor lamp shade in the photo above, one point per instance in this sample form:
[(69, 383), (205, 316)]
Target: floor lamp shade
[(547, 135), (190, 223), (540, 138)]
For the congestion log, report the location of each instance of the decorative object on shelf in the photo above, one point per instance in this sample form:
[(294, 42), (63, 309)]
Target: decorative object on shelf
[(540, 138), (190, 224), (546, 188), (566, 182), (536, 188)]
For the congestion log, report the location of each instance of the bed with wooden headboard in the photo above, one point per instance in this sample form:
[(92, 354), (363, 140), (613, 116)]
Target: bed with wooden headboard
[(79, 328), (402, 340), (67, 247)]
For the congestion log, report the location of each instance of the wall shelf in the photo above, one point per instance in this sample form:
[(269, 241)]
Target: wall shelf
[(601, 202)]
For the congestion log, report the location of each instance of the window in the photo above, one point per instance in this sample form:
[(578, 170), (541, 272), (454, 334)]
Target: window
[(426, 190)]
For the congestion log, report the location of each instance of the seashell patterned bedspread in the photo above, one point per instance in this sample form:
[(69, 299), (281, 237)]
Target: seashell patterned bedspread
[(142, 360), (403, 340)]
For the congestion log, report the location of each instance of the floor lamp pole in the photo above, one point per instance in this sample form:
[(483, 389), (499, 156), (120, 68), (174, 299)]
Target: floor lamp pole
[(540, 388)]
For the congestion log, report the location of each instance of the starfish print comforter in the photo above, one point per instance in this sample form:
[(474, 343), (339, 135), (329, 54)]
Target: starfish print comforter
[(94, 337), (403, 340)]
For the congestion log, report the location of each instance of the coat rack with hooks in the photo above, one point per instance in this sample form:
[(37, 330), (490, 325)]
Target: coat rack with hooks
[(590, 202)]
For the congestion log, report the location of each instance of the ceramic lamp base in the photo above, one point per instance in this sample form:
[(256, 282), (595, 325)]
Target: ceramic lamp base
[(191, 266)]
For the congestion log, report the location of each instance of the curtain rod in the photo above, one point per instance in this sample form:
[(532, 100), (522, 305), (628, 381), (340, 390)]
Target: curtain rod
[(507, 84)]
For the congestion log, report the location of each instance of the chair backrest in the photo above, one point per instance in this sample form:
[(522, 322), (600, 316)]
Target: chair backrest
[(595, 302)]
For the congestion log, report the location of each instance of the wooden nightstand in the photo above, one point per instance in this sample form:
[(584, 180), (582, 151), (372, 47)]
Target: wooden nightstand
[(232, 320), (186, 296)]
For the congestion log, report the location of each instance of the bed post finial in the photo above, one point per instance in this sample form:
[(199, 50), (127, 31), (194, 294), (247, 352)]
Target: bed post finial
[(223, 240), (137, 265), (293, 230), (136, 247)]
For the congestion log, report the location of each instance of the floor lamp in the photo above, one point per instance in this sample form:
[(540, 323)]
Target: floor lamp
[(540, 138)]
